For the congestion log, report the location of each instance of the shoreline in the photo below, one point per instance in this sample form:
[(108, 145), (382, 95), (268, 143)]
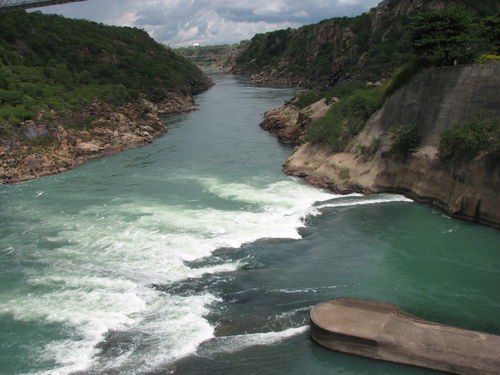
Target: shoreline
[(49, 147), (465, 189), (323, 183)]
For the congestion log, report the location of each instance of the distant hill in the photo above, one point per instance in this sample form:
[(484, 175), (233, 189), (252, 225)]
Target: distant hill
[(73, 90), (367, 47), (50, 62)]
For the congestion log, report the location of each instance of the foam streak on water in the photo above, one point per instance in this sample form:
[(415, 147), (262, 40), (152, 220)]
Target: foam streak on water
[(231, 344), (113, 267), (99, 282)]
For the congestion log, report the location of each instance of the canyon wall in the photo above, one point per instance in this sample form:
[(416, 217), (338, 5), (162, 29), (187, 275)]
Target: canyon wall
[(434, 100)]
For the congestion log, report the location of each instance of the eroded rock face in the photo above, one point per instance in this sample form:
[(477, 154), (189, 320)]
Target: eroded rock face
[(109, 131), (435, 99)]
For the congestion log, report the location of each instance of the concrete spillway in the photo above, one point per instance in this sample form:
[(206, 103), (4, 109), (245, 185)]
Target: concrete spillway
[(383, 331)]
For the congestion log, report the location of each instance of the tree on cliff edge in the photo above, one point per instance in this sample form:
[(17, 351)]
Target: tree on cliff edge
[(443, 36), (491, 31)]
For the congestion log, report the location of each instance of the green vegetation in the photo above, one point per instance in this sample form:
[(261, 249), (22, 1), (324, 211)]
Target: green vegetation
[(340, 91), (487, 58), (444, 36), (49, 63), (345, 119), (490, 30), (403, 75), (371, 46), (368, 150), (300, 52), (467, 140), (405, 140)]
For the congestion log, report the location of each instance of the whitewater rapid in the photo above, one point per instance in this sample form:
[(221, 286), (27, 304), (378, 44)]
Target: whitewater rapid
[(99, 281)]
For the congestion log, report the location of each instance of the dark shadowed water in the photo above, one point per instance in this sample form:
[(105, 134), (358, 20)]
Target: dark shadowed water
[(196, 255)]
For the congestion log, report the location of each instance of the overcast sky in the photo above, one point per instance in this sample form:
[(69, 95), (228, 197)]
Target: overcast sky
[(186, 22)]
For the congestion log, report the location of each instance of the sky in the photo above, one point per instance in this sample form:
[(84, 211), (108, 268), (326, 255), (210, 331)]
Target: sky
[(208, 22)]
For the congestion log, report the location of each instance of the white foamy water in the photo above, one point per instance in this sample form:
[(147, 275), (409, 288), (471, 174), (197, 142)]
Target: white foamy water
[(98, 282), (231, 344), (354, 200)]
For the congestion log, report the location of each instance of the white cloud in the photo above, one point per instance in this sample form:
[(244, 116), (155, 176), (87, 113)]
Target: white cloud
[(185, 22), (348, 2), (271, 9)]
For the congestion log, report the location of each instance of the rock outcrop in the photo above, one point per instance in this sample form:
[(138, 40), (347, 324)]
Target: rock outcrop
[(434, 100), (65, 142), (289, 122)]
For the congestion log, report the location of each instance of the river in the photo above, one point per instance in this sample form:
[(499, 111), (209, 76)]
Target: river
[(196, 255)]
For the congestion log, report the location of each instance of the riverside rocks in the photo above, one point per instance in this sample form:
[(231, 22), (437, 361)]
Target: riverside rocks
[(46, 147), (290, 122), (383, 331), (434, 100)]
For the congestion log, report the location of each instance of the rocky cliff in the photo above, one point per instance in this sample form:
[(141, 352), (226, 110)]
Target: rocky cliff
[(433, 100), (367, 47)]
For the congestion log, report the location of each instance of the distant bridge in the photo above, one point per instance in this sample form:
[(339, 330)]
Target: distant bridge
[(6, 5), (206, 56)]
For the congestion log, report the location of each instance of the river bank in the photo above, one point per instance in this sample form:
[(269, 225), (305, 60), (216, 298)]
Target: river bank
[(433, 101), (45, 147)]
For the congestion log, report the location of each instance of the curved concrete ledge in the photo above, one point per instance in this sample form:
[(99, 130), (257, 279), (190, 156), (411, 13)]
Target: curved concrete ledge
[(383, 331)]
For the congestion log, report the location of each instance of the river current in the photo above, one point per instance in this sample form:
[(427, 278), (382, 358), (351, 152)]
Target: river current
[(196, 255)]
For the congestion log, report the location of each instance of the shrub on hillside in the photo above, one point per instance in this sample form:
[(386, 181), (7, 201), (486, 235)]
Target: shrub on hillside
[(487, 58), (340, 90), (345, 119), (405, 140), (467, 140)]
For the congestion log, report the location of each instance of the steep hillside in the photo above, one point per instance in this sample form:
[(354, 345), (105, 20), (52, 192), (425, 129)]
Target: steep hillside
[(71, 90), (367, 47), (436, 139)]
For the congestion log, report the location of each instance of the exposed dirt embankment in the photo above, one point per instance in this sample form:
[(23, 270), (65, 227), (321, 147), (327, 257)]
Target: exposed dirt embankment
[(44, 147), (433, 100)]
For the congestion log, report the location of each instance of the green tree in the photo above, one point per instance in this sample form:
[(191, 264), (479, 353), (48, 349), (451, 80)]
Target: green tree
[(491, 31), (444, 36)]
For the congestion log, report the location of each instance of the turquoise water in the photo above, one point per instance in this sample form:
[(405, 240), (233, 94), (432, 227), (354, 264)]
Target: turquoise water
[(196, 255)]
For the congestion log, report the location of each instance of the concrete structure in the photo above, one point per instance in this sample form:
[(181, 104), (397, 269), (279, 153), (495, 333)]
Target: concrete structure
[(6, 5), (383, 331)]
